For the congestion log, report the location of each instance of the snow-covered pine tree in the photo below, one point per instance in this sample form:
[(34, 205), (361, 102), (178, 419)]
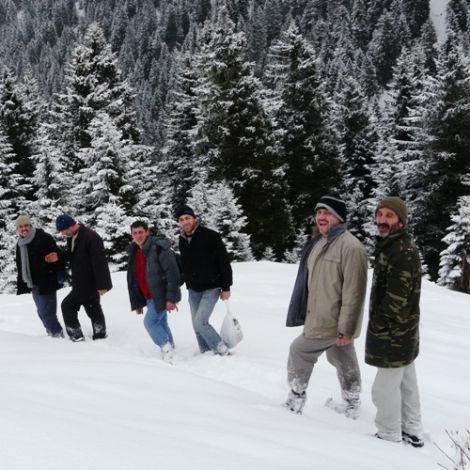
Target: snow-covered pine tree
[(94, 84), (454, 271), (19, 121), (356, 141), (311, 159), (446, 155), (52, 181), (103, 193), (391, 34), (8, 211), (217, 207), (180, 164), (234, 137)]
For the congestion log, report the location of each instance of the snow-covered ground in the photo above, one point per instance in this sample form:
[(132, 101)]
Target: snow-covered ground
[(114, 405)]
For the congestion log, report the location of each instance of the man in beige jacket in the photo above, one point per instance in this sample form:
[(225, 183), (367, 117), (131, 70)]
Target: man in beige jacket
[(328, 299)]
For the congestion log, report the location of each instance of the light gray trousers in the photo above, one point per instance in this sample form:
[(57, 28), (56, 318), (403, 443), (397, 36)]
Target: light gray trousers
[(395, 395), (304, 354)]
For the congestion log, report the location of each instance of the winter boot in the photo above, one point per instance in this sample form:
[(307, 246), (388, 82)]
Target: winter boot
[(415, 441), (222, 349), (99, 331), (167, 353), (75, 334), (348, 408), (296, 401)]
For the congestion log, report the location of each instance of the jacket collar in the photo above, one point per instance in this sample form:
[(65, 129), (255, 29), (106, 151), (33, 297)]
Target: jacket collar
[(392, 238)]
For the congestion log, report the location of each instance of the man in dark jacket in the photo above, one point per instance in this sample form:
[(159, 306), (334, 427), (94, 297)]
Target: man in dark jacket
[(207, 274), (153, 280), (36, 274), (392, 342), (90, 277)]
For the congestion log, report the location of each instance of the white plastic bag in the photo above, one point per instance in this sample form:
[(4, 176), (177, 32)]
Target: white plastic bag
[(230, 331)]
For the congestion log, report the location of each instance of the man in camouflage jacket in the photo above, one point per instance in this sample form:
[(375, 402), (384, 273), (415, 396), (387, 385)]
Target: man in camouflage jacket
[(392, 342)]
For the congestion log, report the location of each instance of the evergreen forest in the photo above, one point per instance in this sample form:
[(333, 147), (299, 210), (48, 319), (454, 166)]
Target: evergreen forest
[(247, 110)]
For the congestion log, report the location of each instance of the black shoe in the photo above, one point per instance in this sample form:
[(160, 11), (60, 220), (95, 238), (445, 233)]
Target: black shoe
[(100, 335), (75, 334), (415, 441), (99, 331), (77, 339)]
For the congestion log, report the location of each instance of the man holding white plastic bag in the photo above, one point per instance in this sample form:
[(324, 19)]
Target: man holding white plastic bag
[(207, 274)]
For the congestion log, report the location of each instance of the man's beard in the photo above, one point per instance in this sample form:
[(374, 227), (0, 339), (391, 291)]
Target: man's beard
[(385, 229)]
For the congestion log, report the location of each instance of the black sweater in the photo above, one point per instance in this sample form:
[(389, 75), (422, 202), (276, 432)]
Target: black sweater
[(205, 261)]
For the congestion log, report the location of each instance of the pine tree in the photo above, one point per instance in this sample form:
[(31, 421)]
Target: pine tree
[(454, 271), (94, 85), (19, 121), (103, 190), (391, 35), (8, 195), (217, 207), (311, 159), (356, 142), (180, 162), (233, 137), (445, 157)]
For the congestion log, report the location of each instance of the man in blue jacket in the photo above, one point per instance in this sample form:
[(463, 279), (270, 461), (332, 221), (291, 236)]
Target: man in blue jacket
[(153, 280), (207, 274)]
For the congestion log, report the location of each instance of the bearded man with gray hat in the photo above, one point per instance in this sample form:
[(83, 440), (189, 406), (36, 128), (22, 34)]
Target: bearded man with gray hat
[(90, 277), (392, 342), (328, 300), (37, 273)]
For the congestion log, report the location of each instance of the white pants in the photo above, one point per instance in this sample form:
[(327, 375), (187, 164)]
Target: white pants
[(396, 397)]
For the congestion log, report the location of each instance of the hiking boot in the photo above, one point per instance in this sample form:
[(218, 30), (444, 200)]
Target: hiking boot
[(75, 334), (415, 441), (295, 402), (59, 334), (348, 408), (167, 353), (222, 349), (99, 331), (378, 436), (351, 408)]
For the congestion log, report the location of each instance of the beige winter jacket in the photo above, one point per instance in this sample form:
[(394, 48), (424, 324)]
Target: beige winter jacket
[(337, 289)]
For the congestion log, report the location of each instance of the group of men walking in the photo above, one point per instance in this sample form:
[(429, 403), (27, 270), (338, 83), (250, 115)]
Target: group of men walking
[(327, 299), (153, 275)]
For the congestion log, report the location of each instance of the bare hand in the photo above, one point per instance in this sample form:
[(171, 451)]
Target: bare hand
[(102, 291), (225, 295), (51, 257), (344, 341), (170, 306), (139, 311)]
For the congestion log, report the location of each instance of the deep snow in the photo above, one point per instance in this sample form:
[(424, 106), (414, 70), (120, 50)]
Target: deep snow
[(115, 405)]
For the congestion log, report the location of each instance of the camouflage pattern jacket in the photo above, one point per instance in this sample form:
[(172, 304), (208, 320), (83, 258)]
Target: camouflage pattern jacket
[(393, 330)]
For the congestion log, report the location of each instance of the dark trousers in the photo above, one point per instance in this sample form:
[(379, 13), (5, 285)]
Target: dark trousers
[(46, 305), (70, 307)]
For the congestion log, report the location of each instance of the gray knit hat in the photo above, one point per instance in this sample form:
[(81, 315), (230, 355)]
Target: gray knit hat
[(23, 220), (397, 205)]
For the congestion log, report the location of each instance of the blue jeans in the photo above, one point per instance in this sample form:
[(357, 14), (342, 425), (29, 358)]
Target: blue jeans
[(156, 324), (202, 305), (46, 306)]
